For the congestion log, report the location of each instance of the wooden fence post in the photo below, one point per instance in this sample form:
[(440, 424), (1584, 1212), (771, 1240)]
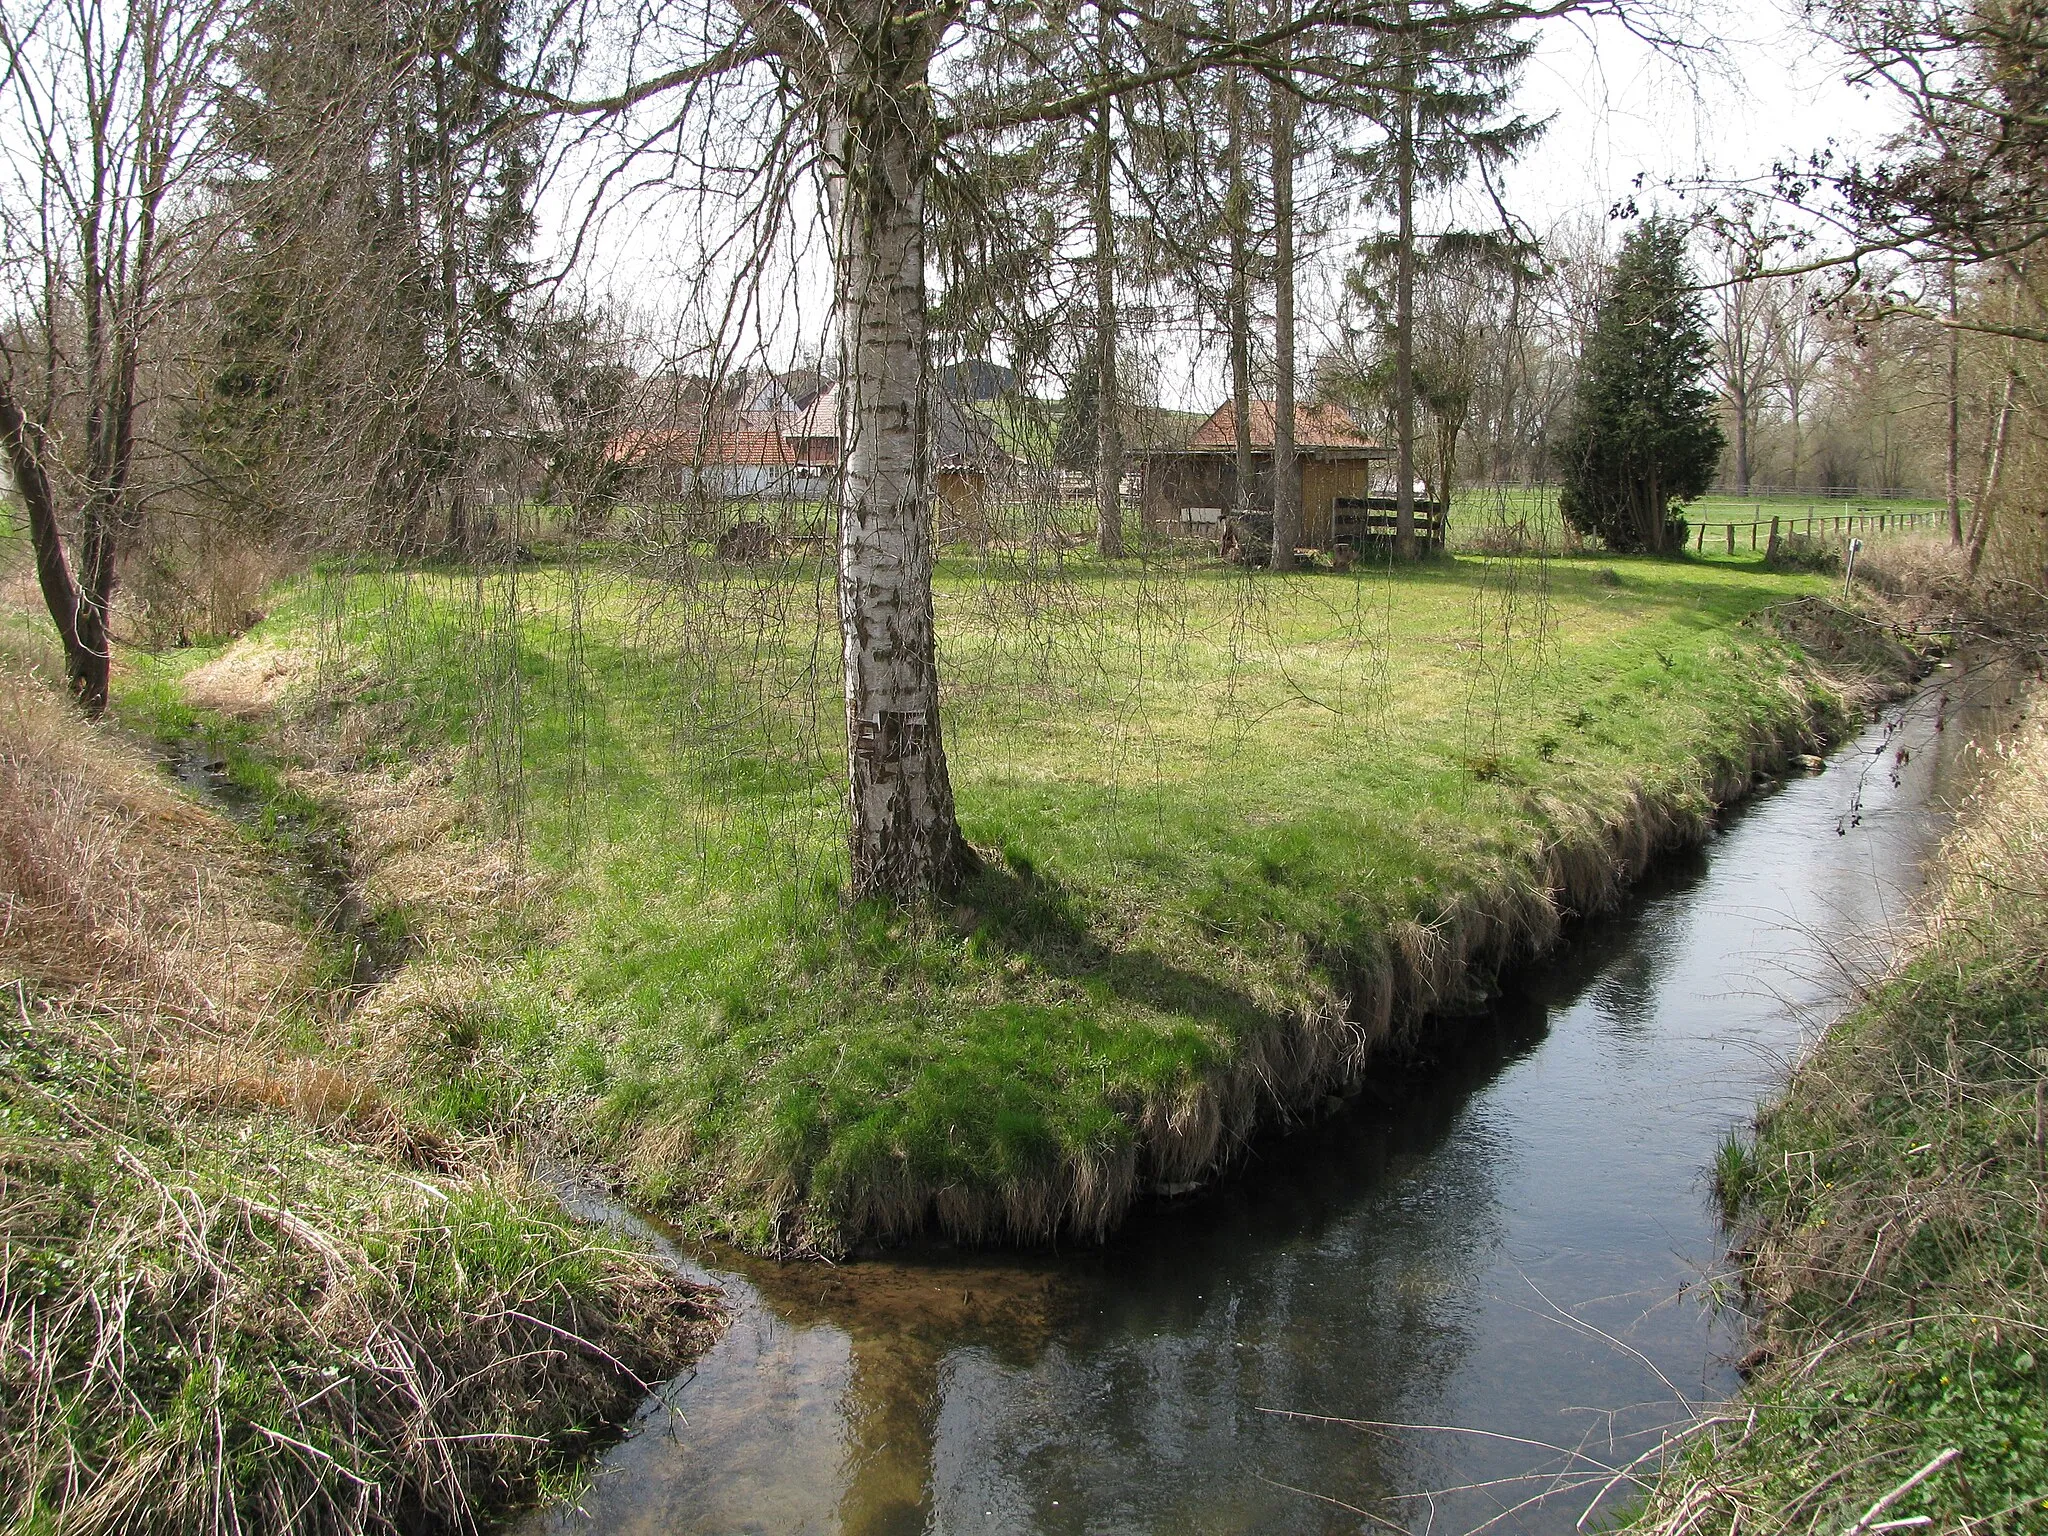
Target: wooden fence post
[(1731, 537), (1703, 537), (1771, 553)]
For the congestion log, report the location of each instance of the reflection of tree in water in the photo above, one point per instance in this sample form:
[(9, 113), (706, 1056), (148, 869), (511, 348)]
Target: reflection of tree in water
[(1123, 1388), (1624, 995), (904, 1323), (1333, 1277)]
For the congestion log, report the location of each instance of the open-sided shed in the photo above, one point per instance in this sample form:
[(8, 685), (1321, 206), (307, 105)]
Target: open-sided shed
[(1191, 489)]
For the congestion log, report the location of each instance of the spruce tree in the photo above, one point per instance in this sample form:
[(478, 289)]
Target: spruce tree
[(377, 209), (1645, 434)]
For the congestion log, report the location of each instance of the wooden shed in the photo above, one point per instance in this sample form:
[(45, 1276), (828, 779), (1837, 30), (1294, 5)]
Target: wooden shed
[(1188, 490)]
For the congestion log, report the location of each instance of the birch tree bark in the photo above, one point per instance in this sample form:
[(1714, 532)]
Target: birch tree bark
[(904, 839)]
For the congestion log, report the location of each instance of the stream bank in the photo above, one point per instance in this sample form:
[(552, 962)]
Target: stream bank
[(1475, 1297), (1892, 1227), (239, 1288)]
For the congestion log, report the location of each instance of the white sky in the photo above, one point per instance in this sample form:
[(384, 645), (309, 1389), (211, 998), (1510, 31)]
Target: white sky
[(1755, 86), (1763, 88)]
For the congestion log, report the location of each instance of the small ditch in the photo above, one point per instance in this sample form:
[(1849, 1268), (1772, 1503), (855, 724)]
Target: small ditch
[(309, 843)]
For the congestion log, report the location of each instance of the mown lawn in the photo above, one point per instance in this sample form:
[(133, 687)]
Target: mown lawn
[(1209, 804)]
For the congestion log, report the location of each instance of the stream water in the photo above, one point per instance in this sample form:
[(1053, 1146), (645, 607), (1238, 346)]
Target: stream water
[(1469, 1300)]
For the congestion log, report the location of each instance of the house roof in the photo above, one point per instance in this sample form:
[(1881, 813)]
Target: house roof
[(960, 436), (1323, 427), (974, 379), (686, 446)]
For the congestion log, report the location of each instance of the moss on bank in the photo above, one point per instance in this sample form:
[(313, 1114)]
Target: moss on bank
[(240, 1289), (1239, 836), (1894, 1211)]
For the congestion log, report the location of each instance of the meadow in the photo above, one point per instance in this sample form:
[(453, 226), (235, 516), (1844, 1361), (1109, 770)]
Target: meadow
[(1485, 517), (1237, 834)]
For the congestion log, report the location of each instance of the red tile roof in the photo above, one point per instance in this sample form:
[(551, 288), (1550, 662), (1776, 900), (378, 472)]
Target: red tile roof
[(1315, 426), (673, 446)]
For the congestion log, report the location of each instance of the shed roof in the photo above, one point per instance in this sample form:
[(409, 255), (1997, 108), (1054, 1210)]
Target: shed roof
[(1324, 427), (679, 446)]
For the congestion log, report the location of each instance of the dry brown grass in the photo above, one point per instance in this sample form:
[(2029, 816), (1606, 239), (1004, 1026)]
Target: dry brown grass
[(116, 889), (238, 1292)]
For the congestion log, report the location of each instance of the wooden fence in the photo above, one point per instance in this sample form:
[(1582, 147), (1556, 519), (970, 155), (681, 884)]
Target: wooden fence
[(1862, 523)]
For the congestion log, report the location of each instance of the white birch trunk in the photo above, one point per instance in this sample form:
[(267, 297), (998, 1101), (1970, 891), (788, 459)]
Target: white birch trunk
[(903, 838)]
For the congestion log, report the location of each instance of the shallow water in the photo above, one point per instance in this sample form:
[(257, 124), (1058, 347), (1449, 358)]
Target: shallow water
[(1473, 1297)]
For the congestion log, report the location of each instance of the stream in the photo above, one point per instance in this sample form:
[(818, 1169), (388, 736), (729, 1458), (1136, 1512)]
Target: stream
[(1466, 1303)]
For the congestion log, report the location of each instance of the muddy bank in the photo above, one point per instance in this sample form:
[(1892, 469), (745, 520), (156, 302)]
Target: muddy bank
[(240, 1286)]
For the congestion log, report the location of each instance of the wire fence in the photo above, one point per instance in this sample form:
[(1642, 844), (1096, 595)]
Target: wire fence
[(1862, 522)]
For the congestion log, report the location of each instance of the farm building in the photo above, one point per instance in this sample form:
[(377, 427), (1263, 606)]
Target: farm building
[(1189, 490), (738, 461), (789, 450)]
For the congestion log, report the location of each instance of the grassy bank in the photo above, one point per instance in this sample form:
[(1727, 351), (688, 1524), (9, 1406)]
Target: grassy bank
[(1239, 835), (240, 1289), (1892, 1208)]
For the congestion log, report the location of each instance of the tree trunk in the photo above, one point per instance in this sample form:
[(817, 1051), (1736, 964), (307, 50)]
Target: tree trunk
[(1109, 437), (1239, 319), (1994, 465), (1740, 394), (1792, 399), (1955, 417), (455, 461), (85, 672), (904, 839), (1287, 530), (1404, 315)]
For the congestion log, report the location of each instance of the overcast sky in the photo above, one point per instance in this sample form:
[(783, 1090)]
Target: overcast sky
[(1766, 88), (1758, 87)]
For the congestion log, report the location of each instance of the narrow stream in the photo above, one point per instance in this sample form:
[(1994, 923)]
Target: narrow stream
[(1464, 1304)]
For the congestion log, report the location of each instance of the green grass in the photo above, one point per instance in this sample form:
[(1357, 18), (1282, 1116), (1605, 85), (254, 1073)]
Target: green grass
[(228, 1320), (1891, 1205), (1481, 513), (1214, 811)]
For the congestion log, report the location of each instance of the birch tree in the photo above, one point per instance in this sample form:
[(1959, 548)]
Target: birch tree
[(867, 102)]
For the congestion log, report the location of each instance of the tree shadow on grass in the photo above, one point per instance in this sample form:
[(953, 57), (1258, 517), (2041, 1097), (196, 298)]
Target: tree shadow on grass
[(1033, 916)]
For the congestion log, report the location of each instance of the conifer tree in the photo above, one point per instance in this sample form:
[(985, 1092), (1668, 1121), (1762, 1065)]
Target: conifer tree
[(379, 211), (1645, 434)]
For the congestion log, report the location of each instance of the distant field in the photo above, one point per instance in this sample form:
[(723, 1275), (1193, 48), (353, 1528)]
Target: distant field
[(1481, 515)]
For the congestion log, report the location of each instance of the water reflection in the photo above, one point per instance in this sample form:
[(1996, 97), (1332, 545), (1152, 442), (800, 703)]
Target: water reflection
[(1505, 1241)]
